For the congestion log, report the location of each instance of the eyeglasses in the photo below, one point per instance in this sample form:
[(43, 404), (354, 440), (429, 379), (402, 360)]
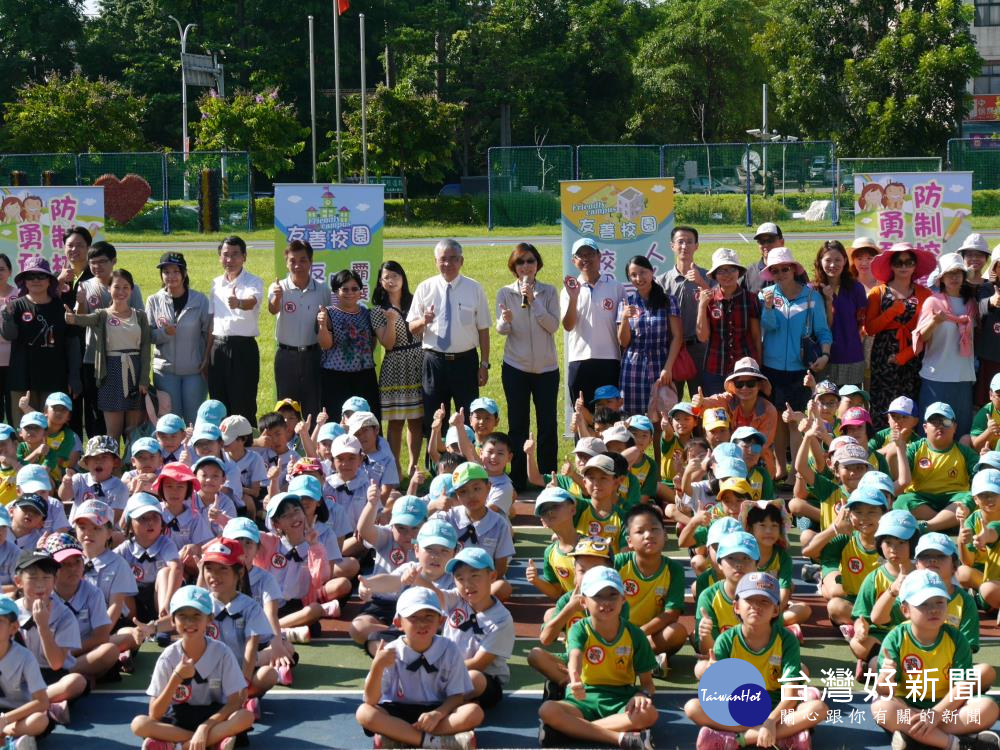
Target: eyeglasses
[(780, 269), (751, 383), (941, 422), (767, 239), (903, 262), (524, 261), (350, 290)]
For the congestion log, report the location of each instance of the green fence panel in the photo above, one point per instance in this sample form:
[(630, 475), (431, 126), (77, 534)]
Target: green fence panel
[(710, 180), (596, 162), (979, 155), (847, 167), (792, 174), (34, 167), (524, 184), (183, 183)]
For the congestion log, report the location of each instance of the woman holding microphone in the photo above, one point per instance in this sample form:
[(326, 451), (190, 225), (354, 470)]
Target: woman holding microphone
[(528, 315)]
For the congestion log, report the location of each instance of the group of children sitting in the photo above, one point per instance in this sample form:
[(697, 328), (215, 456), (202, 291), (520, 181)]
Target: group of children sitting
[(228, 548)]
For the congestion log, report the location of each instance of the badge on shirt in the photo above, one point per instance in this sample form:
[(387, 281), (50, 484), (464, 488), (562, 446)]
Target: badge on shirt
[(457, 618), (631, 587), (112, 321), (594, 528), (924, 463), (855, 565), (212, 631), (717, 313), (138, 572), (278, 560), (912, 663), (595, 654), (290, 306), (27, 316), (397, 556), (182, 694), (93, 300), (608, 303), (563, 572)]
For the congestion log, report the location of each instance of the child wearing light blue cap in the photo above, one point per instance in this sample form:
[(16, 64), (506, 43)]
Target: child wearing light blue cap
[(738, 554), (556, 509), (915, 673), (980, 569), (196, 679), (23, 692), (34, 479), (986, 424), (146, 458), (875, 611), (8, 470), (64, 444), (751, 443), (644, 469), (484, 418), (9, 551)]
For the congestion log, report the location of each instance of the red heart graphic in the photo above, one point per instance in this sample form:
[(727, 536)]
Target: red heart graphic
[(124, 199)]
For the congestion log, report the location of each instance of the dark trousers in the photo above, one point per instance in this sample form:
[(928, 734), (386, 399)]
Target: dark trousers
[(449, 378), (93, 417), (233, 375), (588, 375), (520, 389), (296, 376), (336, 387)]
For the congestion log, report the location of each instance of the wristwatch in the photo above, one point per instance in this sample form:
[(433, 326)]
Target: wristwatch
[(485, 365)]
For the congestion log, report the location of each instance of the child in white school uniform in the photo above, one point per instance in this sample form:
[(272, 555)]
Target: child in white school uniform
[(48, 630), (415, 692), (34, 479), (347, 488), (237, 437), (23, 696), (9, 552), (183, 522), (171, 434), (96, 655), (238, 620), (100, 459), (210, 499), (196, 692), (27, 519), (310, 491)]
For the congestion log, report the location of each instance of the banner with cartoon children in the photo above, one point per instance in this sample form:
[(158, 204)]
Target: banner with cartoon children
[(929, 209), (34, 220)]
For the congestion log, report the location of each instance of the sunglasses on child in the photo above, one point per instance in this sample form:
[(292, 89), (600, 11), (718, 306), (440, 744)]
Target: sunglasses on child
[(941, 422)]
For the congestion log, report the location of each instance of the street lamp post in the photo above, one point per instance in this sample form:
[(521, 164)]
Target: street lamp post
[(183, 31)]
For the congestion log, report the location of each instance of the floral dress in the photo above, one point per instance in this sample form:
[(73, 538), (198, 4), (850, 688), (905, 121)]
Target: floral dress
[(890, 378), (348, 367)]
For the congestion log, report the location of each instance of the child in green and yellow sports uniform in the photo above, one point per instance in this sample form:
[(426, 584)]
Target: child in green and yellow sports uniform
[(759, 638), (676, 428), (914, 671), (986, 494), (8, 464), (644, 470), (738, 554), (654, 584), (875, 613), (751, 443), (606, 655), (602, 515), (848, 552), (556, 508), (941, 470), (985, 430), (719, 528), (902, 415)]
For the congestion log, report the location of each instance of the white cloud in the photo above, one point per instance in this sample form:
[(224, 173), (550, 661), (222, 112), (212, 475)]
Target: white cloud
[(362, 207), (573, 188), (866, 220), (658, 188), (89, 201), (294, 198), (956, 187)]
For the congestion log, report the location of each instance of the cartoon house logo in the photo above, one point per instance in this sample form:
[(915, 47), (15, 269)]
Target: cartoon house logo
[(630, 203), (328, 216)]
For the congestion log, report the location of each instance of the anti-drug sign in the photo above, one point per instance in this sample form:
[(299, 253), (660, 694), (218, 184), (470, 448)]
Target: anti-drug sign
[(342, 223), (35, 220), (931, 210)]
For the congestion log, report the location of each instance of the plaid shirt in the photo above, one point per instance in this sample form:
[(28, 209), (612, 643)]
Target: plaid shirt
[(729, 331)]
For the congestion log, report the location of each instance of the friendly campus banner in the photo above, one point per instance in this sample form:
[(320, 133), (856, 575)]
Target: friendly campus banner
[(929, 209), (343, 223), (632, 216), (34, 220)]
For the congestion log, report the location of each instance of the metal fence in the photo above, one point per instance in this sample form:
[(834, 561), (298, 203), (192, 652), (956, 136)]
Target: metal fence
[(979, 155), (734, 182), (173, 180), (524, 183)]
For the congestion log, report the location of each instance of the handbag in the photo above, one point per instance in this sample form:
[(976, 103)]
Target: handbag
[(684, 367), (809, 346)]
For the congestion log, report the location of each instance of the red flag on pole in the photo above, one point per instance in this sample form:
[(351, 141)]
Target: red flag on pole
[(343, 6)]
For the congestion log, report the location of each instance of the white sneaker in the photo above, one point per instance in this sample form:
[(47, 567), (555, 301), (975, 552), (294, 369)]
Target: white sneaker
[(300, 634), (331, 610), (460, 741), (59, 712), (25, 742)]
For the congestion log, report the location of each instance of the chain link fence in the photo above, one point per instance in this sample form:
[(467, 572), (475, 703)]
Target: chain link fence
[(524, 184), (164, 187), (979, 155), (716, 173), (617, 161)]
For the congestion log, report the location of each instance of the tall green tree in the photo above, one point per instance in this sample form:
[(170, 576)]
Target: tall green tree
[(37, 37), (698, 72), (261, 124), (881, 77), (74, 114), (408, 134)]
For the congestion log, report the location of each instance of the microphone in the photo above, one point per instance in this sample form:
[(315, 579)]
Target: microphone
[(524, 295)]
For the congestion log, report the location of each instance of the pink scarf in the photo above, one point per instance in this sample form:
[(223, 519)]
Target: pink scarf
[(938, 302)]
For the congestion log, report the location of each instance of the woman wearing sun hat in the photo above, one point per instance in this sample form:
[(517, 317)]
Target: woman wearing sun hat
[(791, 310), (728, 320), (893, 309), (944, 334), (41, 361)]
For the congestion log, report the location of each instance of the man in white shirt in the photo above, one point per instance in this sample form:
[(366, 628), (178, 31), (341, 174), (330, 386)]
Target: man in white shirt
[(588, 304), (234, 369), (452, 315)]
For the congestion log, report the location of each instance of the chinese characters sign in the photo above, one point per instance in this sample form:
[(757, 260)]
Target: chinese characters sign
[(34, 220), (929, 209), (343, 223), (627, 217)]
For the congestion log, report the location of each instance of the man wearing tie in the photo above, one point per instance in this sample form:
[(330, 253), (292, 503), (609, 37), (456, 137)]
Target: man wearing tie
[(452, 315), (234, 368)]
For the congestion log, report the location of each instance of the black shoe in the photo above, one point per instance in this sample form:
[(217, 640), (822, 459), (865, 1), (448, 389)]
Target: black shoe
[(163, 640), (553, 691)]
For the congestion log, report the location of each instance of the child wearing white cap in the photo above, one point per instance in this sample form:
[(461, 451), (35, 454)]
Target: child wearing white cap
[(347, 488), (415, 692), (915, 672), (23, 696), (603, 703), (978, 546)]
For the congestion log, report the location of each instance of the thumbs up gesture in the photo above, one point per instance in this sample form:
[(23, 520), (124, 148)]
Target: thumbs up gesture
[(698, 399), (372, 494), (529, 444), (580, 404), (429, 315), (69, 315), (704, 627), (531, 573), (276, 292), (505, 314), (185, 670), (457, 419)]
